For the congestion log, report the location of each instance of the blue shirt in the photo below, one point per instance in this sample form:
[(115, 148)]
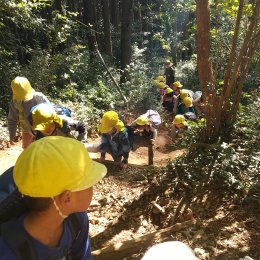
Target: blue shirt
[(117, 144), (79, 248)]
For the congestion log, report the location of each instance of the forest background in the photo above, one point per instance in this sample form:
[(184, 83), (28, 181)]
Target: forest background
[(97, 55)]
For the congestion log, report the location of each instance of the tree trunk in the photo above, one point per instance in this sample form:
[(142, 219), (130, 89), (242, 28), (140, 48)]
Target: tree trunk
[(58, 5), (205, 71), (89, 18), (107, 31), (114, 13), (71, 6), (126, 26)]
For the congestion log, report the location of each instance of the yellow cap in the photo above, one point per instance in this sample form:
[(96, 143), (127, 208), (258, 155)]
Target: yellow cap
[(187, 102), (160, 78), (55, 164), (43, 116), (179, 119), (22, 89), (184, 93), (142, 120), (119, 126), (169, 90), (177, 85), (159, 84), (108, 121), (168, 63)]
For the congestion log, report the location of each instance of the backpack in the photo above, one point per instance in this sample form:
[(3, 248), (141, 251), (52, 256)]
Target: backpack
[(12, 206), (190, 116), (61, 110)]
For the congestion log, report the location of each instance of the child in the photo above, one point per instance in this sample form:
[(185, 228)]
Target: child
[(114, 139), (169, 73), (55, 175), (24, 98), (149, 123), (168, 100), (45, 122), (177, 87), (185, 106), (179, 127)]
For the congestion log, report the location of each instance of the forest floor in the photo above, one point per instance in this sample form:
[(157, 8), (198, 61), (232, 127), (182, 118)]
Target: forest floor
[(123, 208)]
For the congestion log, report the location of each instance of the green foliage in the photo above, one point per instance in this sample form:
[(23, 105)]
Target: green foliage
[(186, 73), (233, 165)]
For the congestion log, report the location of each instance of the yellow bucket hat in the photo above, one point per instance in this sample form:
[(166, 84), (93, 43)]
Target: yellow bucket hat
[(184, 93), (177, 85), (142, 120), (179, 119), (108, 121), (188, 102), (168, 63), (55, 164), (160, 78), (119, 126), (43, 116), (22, 89), (169, 90)]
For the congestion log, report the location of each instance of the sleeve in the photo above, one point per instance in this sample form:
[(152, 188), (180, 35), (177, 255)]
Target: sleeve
[(41, 98), (154, 132), (125, 148), (104, 143), (12, 120), (81, 246)]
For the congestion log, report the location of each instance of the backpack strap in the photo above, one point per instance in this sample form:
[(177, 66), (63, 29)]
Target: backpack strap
[(17, 240)]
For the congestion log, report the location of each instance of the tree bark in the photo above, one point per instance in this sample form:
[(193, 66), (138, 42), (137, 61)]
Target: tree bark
[(107, 31), (89, 18), (206, 78), (126, 30), (114, 13)]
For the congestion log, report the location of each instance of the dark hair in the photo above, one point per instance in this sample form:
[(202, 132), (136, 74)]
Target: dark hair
[(37, 204)]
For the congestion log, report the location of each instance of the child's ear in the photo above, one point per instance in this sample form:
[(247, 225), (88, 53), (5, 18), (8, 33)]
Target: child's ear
[(65, 198)]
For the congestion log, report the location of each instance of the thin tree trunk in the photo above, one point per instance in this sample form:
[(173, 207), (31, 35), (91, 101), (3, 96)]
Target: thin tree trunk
[(114, 13), (107, 31), (245, 68), (230, 63), (126, 29), (89, 18), (243, 50)]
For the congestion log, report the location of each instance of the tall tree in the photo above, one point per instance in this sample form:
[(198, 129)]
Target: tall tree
[(107, 31), (89, 19), (221, 109), (114, 13), (126, 30)]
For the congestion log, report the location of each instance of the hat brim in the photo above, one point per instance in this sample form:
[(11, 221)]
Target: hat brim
[(103, 129), (26, 97), (94, 174), (45, 126)]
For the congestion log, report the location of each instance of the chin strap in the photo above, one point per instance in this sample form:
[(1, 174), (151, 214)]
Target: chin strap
[(58, 209)]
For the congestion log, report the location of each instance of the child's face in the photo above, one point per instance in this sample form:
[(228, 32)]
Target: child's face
[(49, 130), (83, 199), (141, 128), (179, 126), (112, 131)]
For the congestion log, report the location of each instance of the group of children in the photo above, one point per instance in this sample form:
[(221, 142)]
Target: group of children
[(179, 103), (55, 175), (38, 118)]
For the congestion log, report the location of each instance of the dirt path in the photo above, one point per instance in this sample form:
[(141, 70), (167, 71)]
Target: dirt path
[(139, 156), (121, 208)]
